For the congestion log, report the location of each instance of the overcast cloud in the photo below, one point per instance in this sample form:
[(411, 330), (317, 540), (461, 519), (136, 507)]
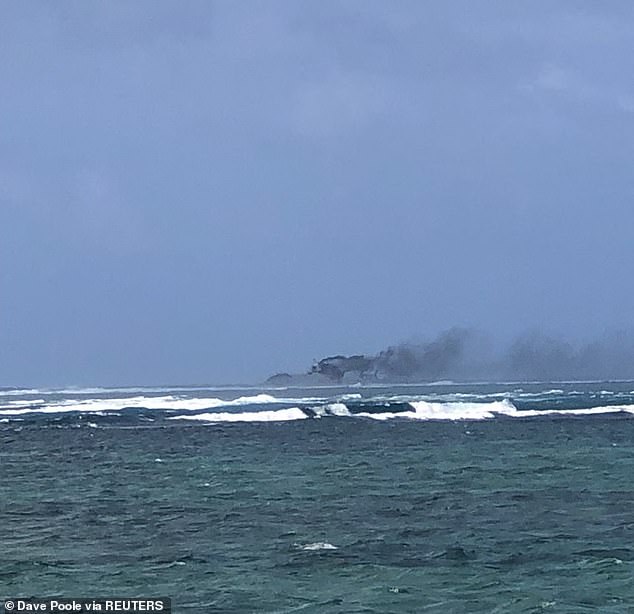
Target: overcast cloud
[(214, 191)]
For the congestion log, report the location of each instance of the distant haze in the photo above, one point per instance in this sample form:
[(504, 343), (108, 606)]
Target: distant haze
[(214, 191)]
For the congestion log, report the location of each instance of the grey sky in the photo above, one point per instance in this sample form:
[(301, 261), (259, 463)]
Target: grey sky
[(212, 191)]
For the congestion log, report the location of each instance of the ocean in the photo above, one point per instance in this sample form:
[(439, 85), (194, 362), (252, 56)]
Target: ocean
[(481, 497)]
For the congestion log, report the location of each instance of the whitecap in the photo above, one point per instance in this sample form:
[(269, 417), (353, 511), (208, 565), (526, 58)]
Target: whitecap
[(279, 415), (586, 411), (422, 410), (10, 407), (337, 409), (318, 546), (18, 392), (168, 402)]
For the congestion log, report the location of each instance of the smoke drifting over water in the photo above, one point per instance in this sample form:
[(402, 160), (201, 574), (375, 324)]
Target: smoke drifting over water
[(537, 356), (465, 354)]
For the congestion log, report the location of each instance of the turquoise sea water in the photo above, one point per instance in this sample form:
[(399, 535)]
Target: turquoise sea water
[(479, 498)]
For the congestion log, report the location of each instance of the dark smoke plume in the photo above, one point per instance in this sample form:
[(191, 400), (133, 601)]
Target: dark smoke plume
[(464, 354), (431, 360), (452, 354)]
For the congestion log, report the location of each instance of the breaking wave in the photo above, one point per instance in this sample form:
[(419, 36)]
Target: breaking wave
[(279, 415), (367, 403), (422, 410), (140, 402)]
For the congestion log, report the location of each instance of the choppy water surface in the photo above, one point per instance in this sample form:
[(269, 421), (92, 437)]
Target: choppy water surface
[(448, 498)]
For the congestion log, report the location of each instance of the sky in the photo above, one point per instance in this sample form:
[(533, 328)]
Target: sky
[(213, 191)]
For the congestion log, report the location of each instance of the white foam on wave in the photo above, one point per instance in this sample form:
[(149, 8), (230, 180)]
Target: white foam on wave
[(423, 410), (152, 403), (433, 407), (276, 415), (337, 409), (21, 403), (586, 411), (18, 392), (101, 405), (318, 546)]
